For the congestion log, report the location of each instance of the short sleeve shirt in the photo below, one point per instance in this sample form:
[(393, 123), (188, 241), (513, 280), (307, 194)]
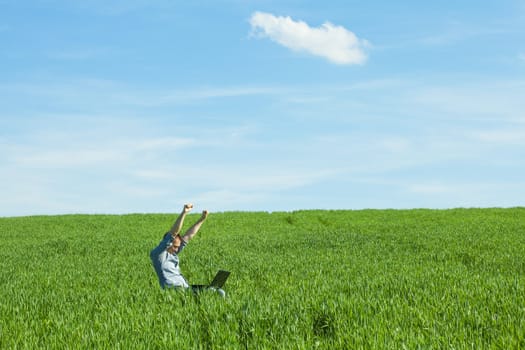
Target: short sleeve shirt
[(167, 265)]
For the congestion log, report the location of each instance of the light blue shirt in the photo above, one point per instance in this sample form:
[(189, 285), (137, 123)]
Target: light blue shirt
[(167, 265)]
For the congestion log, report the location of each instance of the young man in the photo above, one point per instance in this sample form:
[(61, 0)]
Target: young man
[(165, 257)]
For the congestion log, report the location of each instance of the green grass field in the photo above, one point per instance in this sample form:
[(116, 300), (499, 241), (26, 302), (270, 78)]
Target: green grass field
[(368, 279)]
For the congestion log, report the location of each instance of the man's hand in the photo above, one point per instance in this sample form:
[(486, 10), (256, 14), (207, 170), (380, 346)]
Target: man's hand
[(187, 208)]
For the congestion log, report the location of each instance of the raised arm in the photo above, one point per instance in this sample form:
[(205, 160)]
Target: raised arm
[(175, 229), (192, 231)]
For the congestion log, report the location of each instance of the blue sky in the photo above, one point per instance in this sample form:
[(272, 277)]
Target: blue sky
[(141, 106)]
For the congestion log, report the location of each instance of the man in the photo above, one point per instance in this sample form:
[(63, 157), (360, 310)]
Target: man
[(165, 257)]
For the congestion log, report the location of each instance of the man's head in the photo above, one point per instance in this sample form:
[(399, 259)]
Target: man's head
[(175, 244)]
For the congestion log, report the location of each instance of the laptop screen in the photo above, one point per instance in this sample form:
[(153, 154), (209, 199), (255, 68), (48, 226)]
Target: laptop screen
[(220, 279)]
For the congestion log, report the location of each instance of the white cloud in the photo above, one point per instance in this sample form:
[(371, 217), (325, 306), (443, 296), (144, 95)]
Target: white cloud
[(332, 42)]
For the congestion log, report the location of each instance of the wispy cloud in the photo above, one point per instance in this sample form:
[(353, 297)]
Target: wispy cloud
[(482, 100), (103, 94), (433, 188), (118, 7), (204, 93), (47, 150), (68, 158), (471, 194), (454, 32), (157, 160), (143, 161), (80, 54), (165, 143), (335, 43), (500, 137)]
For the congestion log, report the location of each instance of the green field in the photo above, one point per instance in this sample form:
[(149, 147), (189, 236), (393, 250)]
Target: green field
[(367, 279)]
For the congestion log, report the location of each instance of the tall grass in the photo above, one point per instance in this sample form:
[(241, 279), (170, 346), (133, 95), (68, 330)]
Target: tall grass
[(369, 279)]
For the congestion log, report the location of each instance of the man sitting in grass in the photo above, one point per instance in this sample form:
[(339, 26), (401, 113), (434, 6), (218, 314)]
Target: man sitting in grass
[(165, 257)]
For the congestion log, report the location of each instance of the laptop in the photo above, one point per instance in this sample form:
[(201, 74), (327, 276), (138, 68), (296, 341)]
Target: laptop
[(218, 281)]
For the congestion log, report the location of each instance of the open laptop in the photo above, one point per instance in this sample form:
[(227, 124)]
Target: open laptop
[(218, 281), (220, 278)]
